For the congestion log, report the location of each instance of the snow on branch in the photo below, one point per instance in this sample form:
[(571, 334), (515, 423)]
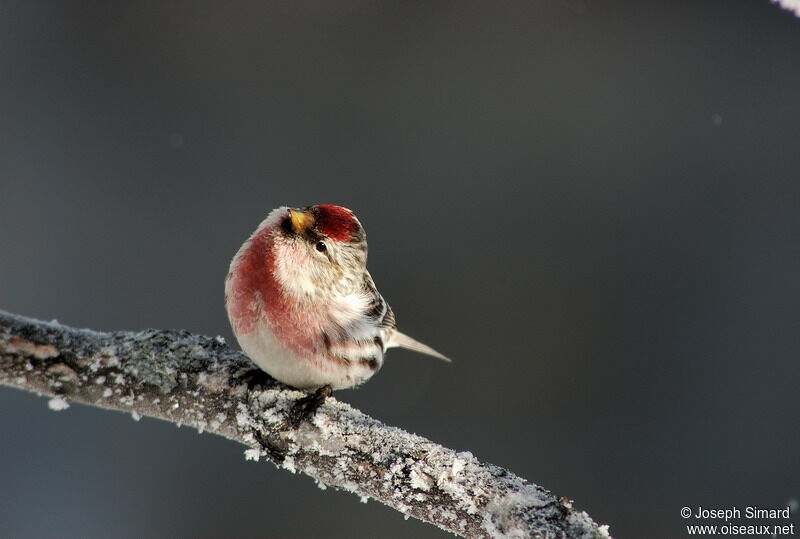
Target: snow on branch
[(194, 380), (790, 5)]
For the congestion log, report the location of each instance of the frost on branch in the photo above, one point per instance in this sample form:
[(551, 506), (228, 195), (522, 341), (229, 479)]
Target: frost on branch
[(193, 380), (790, 5)]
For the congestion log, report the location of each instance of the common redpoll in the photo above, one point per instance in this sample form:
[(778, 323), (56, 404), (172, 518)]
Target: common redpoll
[(304, 307)]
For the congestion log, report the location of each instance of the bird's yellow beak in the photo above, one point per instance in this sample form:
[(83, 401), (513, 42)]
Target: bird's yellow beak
[(301, 220)]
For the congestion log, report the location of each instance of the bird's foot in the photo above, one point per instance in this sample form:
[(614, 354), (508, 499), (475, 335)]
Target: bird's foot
[(306, 407), (253, 378)]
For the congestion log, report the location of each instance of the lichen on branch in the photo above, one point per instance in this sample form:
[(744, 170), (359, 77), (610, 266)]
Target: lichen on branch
[(195, 380)]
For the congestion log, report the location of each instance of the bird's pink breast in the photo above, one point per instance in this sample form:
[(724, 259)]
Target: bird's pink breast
[(257, 300)]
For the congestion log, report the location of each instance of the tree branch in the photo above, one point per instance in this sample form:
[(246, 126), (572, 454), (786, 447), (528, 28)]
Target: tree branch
[(789, 5), (192, 380)]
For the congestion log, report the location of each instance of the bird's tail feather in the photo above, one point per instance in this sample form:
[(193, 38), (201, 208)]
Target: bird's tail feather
[(404, 341)]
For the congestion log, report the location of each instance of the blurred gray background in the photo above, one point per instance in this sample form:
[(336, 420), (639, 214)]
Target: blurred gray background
[(592, 207)]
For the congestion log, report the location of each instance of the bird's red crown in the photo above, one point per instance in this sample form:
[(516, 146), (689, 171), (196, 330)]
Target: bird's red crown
[(335, 222)]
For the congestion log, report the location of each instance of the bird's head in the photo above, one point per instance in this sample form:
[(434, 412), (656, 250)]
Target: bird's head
[(318, 249)]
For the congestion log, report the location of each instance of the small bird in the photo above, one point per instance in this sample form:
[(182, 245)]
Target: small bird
[(304, 307)]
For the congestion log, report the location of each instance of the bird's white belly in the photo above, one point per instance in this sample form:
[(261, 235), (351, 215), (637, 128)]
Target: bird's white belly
[(303, 372)]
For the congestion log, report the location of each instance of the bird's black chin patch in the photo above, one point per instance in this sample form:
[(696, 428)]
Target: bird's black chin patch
[(286, 226)]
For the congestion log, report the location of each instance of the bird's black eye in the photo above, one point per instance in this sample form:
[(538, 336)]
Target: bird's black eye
[(321, 247)]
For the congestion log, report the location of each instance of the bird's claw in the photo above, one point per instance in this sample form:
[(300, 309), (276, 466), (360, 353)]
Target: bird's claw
[(306, 407), (254, 378)]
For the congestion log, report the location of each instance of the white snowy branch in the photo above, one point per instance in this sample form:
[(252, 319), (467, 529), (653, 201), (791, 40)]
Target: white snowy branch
[(193, 380), (789, 5)]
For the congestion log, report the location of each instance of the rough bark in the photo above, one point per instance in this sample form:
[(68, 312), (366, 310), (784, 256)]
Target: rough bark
[(194, 380)]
